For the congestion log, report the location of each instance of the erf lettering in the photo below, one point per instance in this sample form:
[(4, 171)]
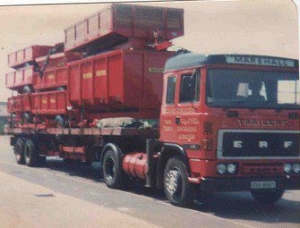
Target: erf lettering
[(261, 144), (237, 144), (288, 144)]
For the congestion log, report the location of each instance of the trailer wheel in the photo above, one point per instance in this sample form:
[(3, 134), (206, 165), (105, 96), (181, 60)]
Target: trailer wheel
[(19, 151), (112, 170), (267, 197), (177, 188), (31, 156)]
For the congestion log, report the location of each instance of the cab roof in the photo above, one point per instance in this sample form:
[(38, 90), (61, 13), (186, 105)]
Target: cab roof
[(183, 61)]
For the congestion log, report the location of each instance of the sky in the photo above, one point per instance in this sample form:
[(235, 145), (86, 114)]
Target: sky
[(265, 27)]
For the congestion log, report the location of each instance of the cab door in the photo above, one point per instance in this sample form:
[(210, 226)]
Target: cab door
[(179, 120), (168, 110), (187, 116)]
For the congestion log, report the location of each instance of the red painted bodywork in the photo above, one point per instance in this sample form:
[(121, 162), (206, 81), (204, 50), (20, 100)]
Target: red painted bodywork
[(19, 104), (19, 78), (118, 79), (50, 103), (26, 55), (51, 78), (118, 22)]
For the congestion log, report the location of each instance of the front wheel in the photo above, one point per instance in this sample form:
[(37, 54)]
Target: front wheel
[(267, 197), (178, 190)]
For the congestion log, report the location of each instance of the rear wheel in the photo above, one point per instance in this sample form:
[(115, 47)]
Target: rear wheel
[(267, 197), (178, 190), (19, 151), (31, 156), (111, 170)]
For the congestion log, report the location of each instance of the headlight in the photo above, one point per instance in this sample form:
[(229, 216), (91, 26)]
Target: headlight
[(287, 167), (231, 168), (221, 168), (296, 167)]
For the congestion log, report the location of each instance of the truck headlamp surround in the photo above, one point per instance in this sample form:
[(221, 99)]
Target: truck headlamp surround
[(287, 167)]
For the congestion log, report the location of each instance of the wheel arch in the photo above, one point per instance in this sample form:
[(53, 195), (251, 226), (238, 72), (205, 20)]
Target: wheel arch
[(170, 150)]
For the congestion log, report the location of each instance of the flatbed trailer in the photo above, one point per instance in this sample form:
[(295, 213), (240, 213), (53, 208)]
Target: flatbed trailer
[(112, 131)]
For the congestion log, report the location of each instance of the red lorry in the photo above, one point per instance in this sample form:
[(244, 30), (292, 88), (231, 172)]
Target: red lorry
[(185, 123)]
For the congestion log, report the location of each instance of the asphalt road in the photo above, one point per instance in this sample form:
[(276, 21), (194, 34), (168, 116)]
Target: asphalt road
[(217, 210)]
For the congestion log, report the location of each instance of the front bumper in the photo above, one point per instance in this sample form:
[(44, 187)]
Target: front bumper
[(235, 184)]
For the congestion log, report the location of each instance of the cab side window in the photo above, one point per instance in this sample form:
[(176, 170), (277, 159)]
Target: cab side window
[(190, 87), (171, 86)]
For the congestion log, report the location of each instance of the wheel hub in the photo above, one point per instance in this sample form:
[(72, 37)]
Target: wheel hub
[(173, 181), (110, 169)]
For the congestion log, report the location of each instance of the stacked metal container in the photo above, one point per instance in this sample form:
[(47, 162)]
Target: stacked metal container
[(39, 72), (126, 52), (21, 80), (110, 65)]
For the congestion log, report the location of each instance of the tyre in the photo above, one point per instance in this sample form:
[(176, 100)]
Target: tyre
[(177, 188), (30, 154), (19, 151), (112, 172), (267, 197)]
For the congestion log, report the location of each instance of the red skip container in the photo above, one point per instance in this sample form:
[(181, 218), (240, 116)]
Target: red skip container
[(49, 103), (19, 78), (27, 55), (118, 79), (118, 22), (19, 104), (52, 78)]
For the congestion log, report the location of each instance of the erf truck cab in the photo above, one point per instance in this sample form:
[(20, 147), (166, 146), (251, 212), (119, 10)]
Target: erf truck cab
[(233, 120)]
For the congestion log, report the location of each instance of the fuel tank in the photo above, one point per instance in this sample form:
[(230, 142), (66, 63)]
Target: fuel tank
[(135, 165)]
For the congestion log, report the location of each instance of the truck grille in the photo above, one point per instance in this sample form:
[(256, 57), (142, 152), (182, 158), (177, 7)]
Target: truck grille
[(258, 144)]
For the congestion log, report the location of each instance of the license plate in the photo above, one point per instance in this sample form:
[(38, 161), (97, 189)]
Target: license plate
[(263, 184)]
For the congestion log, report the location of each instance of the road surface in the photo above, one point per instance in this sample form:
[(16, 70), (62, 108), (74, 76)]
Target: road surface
[(81, 188)]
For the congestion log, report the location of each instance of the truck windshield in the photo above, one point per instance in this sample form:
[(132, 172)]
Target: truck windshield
[(253, 89)]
